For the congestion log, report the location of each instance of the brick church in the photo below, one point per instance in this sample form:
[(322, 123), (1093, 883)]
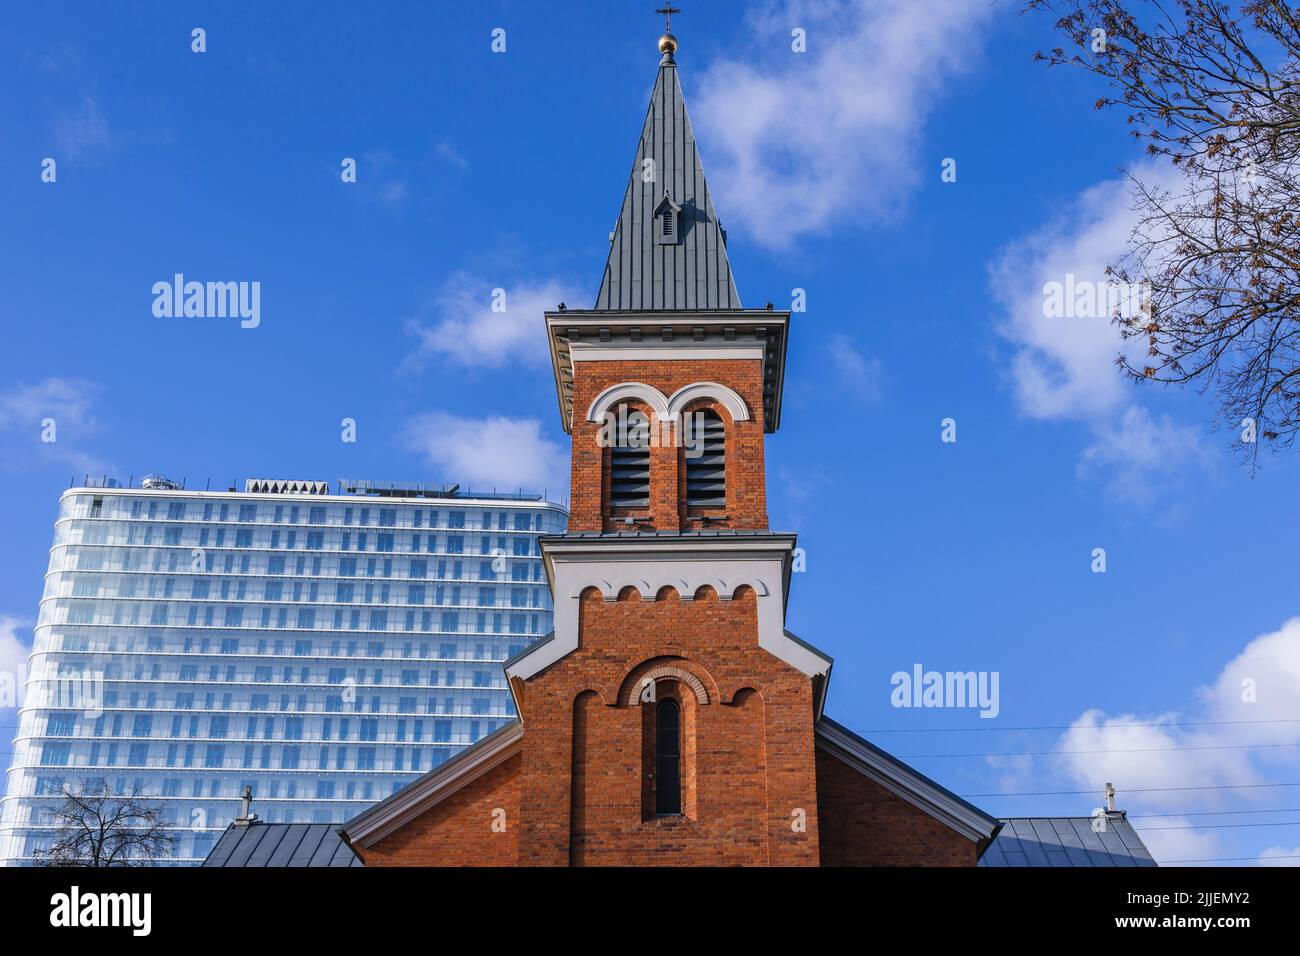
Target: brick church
[(671, 717)]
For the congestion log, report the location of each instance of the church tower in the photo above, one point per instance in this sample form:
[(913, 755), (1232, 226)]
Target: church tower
[(670, 717), (670, 685)]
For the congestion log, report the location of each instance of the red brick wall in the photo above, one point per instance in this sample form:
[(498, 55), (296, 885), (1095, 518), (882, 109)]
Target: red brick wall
[(746, 489), (751, 761), (863, 824), (458, 831)]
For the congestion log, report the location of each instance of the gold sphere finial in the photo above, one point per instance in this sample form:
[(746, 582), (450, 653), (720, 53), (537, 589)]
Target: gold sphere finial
[(668, 42)]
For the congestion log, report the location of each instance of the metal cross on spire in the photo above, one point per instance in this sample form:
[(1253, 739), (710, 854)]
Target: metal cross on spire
[(668, 10)]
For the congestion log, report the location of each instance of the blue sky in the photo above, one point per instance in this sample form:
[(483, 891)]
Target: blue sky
[(479, 170)]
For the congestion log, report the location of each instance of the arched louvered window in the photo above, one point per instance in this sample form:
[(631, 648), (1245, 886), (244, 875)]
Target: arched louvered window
[(706, 459), (666, 221), (668, 757), (629, 462)]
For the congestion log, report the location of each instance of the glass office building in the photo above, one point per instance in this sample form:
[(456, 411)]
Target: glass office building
[(321, 648)]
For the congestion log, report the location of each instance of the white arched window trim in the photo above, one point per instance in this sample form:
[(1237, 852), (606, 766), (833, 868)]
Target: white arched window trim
[(616, 395), (726, 397), (668, 409)]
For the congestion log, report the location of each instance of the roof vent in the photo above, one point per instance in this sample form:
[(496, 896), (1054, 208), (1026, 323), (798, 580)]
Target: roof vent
[(667, 221)]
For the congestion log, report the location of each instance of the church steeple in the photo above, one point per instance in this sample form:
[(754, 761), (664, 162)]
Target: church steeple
[(667, 250)]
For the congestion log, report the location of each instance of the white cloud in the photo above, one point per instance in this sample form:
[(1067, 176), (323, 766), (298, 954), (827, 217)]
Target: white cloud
[(394, 192), (1280, 856), (69, 402), (1213, 744), (380, 174), (492, 452), (450, 154), (81, 133), (1063, 367), (811, 140), (857, 374), (13, 660), (1144, 460), (469, 332), (1173, 839)]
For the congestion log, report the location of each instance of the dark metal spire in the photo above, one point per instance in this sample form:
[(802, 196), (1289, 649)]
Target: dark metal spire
[(667, 250)]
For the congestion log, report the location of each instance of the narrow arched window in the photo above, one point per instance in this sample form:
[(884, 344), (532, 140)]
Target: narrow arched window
[(706, 459), (629, 461), (668, 758)]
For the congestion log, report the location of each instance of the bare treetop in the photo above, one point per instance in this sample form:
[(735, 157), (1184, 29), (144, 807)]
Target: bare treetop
[(1217, 91)]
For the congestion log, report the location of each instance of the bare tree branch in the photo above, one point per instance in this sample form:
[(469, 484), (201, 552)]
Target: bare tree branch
[(97, 828), (1216, 90)]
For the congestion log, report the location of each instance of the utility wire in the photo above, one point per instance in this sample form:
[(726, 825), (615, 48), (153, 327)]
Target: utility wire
[(1075, 793), (1156, 723), (1210, 813), (1221, 826), (1137, 750), (1237, 859)]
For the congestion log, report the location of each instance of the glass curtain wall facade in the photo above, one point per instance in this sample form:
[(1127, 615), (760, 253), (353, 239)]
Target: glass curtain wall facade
[(322, 649)]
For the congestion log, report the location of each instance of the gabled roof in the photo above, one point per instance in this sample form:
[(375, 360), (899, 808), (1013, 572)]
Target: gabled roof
[(905, 781), (281, 844), (375, 823), (1068, 841), (694, 272)]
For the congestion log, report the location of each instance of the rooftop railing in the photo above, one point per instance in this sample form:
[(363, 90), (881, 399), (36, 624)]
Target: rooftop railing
[(351, 487)]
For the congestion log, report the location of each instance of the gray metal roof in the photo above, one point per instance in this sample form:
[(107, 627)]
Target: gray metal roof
[(693, 272), (282, 844), (1067, 841)]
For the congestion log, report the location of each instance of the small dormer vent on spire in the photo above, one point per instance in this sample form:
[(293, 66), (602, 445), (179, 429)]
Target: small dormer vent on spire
[(668, 221)]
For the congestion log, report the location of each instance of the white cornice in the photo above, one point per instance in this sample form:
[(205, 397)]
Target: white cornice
[(583, 335), (662, 352)]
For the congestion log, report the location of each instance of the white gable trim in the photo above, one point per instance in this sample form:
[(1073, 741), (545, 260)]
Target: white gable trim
[(902, 781), (424, 793)]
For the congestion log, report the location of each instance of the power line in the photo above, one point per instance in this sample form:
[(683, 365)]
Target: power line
[(1164, 723), (1075, 793), (1209, 813), (1221, 826), (1237, 859), (1136, 750)]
